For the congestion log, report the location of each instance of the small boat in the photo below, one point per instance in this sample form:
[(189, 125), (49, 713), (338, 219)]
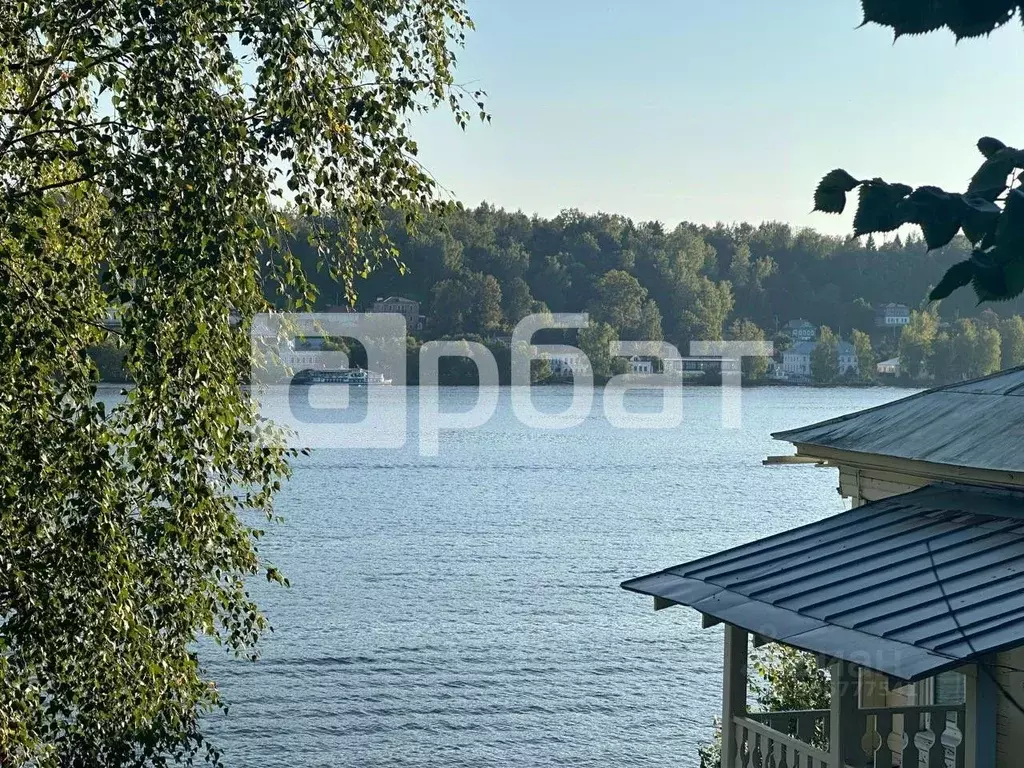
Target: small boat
[(359, 377)]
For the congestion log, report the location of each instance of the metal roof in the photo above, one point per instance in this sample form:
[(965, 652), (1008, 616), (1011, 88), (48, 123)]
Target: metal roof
[(910, 586), (977, 424)]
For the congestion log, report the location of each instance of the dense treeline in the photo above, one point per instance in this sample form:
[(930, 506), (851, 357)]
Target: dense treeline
[(931, 349), (480, 271)]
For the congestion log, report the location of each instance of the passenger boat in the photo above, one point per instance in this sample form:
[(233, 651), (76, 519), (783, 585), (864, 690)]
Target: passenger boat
[(359, 377)]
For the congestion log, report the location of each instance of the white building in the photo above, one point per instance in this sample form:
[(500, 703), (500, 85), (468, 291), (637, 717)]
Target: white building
[(564, 364), (796, 361), (847, 359), (892, 315), (800, 330), (640, 365), (890, 367)]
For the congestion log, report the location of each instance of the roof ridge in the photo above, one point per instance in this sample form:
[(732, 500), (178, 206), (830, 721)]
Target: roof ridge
[(782, 434)]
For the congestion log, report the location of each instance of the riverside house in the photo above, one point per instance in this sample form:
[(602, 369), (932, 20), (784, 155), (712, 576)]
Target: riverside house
[(408, 308), (892, 315), (796, 361), (913, 598), (800, 330)]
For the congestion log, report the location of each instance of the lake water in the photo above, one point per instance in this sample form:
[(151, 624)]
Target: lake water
[(465, 609)]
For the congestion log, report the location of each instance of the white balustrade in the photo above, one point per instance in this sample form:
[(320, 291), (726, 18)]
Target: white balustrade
[(758, 746), (914, 737), (893, 737)]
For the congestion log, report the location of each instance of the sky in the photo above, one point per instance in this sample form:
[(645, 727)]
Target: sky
[(713, 110)]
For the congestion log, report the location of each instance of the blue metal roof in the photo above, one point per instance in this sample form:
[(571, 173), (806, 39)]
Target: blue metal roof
[(910, 586), (977, 424)]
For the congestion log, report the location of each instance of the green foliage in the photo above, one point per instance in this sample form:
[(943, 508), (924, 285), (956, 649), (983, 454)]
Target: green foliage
[(619, 301), (710, 755), (788, 679), (754, 368), (740, 266), (699, 279), (866, 359), (595, 341), (916, 342), (142, 145), (708, 305), (517, 302), (966, 349), (784, 679), (471, 303), (540, 370), (942, 359), (649, 328), (1011, 333), (825, 357), (989, 352), (781, 342)]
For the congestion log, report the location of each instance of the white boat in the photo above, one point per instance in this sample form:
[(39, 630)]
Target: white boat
[(359, 377)]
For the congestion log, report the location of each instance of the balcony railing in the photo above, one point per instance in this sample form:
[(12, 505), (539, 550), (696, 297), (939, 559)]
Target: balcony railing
[(890, 737), (914, 736), (760, 746)]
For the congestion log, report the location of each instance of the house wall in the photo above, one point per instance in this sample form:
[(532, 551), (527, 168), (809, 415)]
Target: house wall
[(796, 364), (1009, 721)]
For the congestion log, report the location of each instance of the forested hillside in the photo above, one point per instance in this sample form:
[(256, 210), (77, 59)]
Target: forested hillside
[(480, 271)]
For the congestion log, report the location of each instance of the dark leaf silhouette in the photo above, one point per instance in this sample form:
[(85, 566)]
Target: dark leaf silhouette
[(964, 18), (1010, 229), (830, 196), (990, 180), (938, 213), (906, 17), (989, 146), (957, 276), (879, 209), (979, 217)]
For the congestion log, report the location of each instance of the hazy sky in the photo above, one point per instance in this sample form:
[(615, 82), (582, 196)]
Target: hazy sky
[(714, 110)]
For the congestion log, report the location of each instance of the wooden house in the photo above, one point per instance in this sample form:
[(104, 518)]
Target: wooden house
[(914, 597)]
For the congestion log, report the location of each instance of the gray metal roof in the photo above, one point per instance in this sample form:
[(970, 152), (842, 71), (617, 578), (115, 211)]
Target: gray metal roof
[(802, 348), (910, 586), (978, 424)]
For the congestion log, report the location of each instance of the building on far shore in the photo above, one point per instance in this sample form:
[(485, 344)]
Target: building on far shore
[(564, 364), (400, 305), (796, 361), (695, 367), (892, 315), (800, 330), (641, 365), (890, 367)]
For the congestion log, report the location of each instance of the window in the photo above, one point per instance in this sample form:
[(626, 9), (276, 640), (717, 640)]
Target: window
[(949, 688)]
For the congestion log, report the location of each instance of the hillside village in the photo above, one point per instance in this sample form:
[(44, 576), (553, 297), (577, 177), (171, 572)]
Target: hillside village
[(479, 271)]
